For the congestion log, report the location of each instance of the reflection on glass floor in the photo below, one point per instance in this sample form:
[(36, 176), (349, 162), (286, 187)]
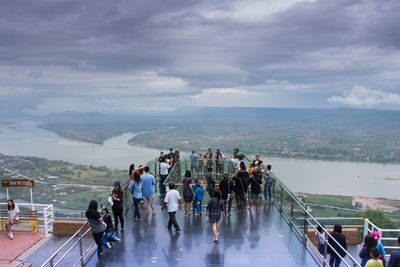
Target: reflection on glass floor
[(250, 239)]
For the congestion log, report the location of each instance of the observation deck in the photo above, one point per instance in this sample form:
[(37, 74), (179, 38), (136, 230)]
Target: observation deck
[(278, 234)]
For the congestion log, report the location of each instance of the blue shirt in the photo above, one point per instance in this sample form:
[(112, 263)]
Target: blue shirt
[(198, 194), (137, 189), (193, 159), (148, 181)]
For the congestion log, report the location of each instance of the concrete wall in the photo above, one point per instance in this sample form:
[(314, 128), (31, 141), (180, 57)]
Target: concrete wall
[(350, 233), (68, 227)]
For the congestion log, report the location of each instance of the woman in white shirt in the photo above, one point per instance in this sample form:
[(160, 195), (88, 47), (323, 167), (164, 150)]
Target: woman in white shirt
[(13, 216)]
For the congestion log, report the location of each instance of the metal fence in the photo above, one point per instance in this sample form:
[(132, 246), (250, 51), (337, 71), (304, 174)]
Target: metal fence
[(296, 214), (46, 215)]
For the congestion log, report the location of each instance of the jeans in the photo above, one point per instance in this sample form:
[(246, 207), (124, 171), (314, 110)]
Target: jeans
[(267, 190), (136, 202), (321, 249), (108, 236), (334, 261), (172, 221), (225, 200), (198, 205), (98, 238), (193, 169), (118, 216), (161, 185), (240, 202), (218, 167)]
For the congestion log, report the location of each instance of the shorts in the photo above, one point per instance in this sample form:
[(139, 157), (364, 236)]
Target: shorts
[(255, 196), (149, 200)]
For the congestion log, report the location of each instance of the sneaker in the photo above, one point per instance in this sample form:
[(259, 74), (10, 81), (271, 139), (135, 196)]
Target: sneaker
[(137, 219), (117, 239), (178, 231), (11, 236), (108, 245)]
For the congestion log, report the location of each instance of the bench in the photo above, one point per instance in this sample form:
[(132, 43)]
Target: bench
[(26, 217)]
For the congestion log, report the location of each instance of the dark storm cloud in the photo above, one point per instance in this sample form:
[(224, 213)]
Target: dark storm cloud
[(178, 52)]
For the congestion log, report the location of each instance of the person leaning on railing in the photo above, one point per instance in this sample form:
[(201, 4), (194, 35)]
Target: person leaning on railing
[(96, 224)]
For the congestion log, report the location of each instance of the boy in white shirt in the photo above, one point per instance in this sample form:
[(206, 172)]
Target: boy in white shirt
[(172, 198)]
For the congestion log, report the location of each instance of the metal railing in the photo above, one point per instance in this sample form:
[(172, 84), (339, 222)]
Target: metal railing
[(301, 220), (46, 214), (388, 237), (76, 240)]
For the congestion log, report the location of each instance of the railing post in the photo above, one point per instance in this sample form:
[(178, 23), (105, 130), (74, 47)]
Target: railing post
[(52, 262), (366, 223), (45, 221), (305, 229), (281, 200), (81, 248), (291, 208)]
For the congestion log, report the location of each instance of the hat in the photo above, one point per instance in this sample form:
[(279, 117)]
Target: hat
[(117, 183), (375, 234)]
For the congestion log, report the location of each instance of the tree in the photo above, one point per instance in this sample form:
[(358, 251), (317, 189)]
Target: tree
[(378, 218)]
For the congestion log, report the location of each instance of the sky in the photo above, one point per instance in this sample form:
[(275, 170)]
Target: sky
[(156, 56)]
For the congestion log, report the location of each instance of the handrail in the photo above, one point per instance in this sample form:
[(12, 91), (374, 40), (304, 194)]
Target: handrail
[(51, 259), (307, 214)]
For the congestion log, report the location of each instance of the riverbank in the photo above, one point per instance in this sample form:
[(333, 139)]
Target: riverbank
[(72, 142)]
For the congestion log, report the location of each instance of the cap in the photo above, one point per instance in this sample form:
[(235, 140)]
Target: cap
[(375, 234)]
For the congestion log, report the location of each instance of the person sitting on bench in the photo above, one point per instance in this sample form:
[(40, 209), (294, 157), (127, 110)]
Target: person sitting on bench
[(13, 216)]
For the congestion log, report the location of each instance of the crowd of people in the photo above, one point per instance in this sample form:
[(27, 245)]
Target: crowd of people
[(253, 183)]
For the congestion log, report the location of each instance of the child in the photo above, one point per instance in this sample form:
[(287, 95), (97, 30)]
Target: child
[(198, 198), (194, 188), (109, 232), (321, 240), (374, 261)]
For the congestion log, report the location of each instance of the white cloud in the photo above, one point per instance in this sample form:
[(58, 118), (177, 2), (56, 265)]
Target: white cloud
[(361, 96), (252, 11)]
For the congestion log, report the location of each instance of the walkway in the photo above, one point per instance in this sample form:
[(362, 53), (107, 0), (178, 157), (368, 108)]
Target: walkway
[(257, 239)]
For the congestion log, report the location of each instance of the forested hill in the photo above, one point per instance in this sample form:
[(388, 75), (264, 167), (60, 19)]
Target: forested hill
[(333, 134)]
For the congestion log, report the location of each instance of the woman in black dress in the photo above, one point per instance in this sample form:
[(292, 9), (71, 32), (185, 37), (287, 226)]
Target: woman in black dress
[(187, 192), (215, 209)]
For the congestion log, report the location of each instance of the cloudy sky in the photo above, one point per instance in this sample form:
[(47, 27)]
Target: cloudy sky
[(127, 56)]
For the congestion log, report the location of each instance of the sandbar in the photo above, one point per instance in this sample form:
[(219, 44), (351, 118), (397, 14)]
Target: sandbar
[(71, 142)]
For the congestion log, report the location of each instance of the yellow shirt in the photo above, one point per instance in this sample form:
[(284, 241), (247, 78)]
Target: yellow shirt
[(250, 170), (374, 263)]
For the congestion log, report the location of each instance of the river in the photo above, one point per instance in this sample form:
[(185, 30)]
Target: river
[(301, 175)]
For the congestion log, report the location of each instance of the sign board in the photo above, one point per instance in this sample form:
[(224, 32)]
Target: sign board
[(6, 183)]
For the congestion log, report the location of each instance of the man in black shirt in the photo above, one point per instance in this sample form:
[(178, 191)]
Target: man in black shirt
[(226, 186), (255, 182), (240, 178)]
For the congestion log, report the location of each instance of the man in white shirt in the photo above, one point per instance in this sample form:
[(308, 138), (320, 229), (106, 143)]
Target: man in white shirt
[(164, 168), (172, 199)]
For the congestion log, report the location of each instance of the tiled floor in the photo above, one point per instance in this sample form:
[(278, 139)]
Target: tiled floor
[(249, 239), (11, 249)]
